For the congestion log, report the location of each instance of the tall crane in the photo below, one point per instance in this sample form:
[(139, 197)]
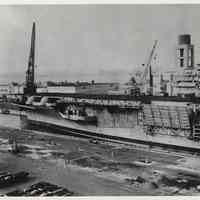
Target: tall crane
[(147, 78), (30, 87)]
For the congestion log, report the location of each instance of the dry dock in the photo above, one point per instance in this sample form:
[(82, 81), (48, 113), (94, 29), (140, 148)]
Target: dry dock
[(95, 167)]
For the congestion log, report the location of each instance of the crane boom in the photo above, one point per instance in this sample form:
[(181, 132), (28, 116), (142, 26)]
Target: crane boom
[(30, 85), (152, 52), (149, 61), (147, 78)]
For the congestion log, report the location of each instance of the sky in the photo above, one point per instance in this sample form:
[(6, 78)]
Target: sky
[(86, 42)]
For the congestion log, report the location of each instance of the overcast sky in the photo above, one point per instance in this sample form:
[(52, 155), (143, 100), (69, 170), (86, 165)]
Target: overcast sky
[(85, 42)]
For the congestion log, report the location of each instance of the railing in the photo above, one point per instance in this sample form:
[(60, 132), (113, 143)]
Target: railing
[(142, 98)]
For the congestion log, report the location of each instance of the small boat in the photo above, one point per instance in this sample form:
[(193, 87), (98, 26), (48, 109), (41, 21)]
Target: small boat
[(78, 115)]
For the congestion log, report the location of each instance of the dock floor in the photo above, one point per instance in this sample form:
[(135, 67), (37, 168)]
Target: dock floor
[(92, 167)]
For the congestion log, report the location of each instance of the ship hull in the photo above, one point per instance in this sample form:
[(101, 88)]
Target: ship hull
[(49, 120)]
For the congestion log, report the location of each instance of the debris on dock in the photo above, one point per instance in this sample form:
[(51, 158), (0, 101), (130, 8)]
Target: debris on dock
[(180, 182), (94, 141), (15, 147), (134, 180), (42, 189), (7, 178)]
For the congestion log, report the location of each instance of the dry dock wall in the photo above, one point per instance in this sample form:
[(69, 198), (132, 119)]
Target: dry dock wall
[(116, 119)]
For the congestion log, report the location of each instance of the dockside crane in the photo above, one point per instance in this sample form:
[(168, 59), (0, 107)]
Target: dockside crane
[(147, 77), (30, 87)]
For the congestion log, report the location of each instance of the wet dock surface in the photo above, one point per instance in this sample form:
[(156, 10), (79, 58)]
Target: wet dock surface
[(89, 167)]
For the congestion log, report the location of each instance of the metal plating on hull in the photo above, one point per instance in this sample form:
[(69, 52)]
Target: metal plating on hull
[(153, 124)]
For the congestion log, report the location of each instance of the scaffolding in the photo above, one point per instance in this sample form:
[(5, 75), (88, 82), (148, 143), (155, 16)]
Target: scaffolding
[(173, 117)]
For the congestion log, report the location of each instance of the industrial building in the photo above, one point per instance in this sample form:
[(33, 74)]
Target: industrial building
[(11, 88), (185, 80)]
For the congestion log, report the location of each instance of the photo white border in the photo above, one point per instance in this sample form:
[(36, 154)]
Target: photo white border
[(55, 2), (10, 2)]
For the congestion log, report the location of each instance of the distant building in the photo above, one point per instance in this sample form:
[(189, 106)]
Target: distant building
[(185, 81), (56, 89), (17, 88), (129, 88), (162, 84), (78, 87), (125, 90), (96, 88), (11, 88), (61, 89), (185, 52), (41, 89), (5, 89)]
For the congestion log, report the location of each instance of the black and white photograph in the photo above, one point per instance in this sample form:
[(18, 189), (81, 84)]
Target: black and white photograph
[(99, 100)]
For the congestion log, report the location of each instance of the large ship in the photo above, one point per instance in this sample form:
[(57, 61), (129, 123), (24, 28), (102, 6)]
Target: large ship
[(171, 119), (162, 121)]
